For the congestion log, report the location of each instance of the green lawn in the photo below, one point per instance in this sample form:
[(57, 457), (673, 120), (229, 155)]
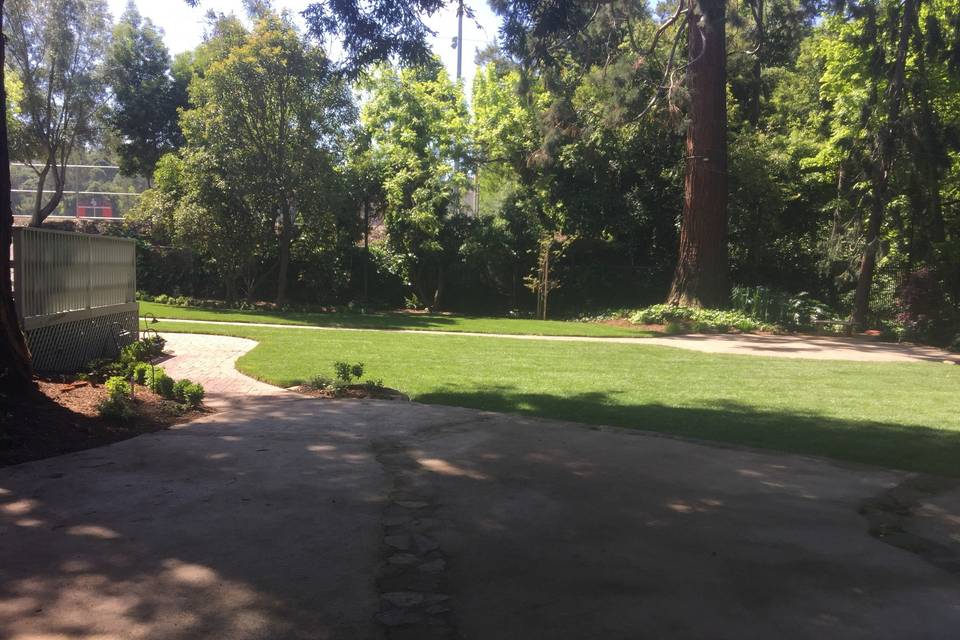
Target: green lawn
[(386, 320), (895, 415)]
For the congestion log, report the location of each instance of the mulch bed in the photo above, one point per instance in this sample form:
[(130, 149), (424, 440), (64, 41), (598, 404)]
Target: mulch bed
[(62, 417), (626, 324), (354, 391)]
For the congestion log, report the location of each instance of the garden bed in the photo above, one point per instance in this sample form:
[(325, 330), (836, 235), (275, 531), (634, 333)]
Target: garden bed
[(63, 417), (354, 391)]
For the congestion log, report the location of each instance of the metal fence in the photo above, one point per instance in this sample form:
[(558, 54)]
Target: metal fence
[(75, 295)]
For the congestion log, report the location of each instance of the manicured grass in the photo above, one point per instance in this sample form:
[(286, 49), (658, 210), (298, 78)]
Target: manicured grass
[(895, 415), (386, 320)]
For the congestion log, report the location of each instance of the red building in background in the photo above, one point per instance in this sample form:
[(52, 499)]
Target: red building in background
[(95, 207)]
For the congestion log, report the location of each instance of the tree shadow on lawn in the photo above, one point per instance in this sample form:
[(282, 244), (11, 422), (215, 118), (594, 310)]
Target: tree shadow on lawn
[(911, 447)]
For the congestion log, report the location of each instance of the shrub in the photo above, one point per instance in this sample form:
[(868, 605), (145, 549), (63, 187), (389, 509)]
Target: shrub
[(153, 346), (180, 390), (117, 388), (678, 319), (375, 384), (347, 372), (164, 386), (117, 403), (345, 375), (141, 372), (673, 328), (320, 382), (160, 383), (99, 369), (193, 394), (794, 311)]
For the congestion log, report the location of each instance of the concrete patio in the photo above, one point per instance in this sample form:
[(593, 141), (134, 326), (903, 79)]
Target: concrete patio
[(288, 517)]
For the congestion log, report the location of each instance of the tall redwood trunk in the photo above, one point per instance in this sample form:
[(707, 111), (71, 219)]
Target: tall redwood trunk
[(15, 372), (882, 164), (701, 278)]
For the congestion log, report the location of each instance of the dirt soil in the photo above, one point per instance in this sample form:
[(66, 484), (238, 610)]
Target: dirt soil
[(62, 417), (623, 323), (354, 391)]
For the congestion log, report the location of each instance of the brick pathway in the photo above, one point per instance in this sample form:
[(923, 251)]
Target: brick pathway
[(778, 346), (210, 361)]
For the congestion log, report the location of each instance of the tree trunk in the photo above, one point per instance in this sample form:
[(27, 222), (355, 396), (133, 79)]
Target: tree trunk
[(756, 73), (438, 292), (286, 235), (701, 278), (366, 251), (15, 372), (42, 211), (880, 172)]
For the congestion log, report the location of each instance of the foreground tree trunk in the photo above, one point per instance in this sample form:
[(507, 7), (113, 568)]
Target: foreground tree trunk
[(701, 278), (15, 373), (882, 163)]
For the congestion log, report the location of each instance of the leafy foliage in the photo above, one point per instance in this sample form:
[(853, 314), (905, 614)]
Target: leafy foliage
[(55, 47), (117, 404), (146, 96), (678, 319)]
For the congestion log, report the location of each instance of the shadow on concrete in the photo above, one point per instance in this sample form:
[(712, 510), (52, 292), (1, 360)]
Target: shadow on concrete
[(266, 522), (258, 523)]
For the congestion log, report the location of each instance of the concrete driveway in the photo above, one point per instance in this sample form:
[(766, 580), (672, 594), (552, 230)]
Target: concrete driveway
[(287, 517)]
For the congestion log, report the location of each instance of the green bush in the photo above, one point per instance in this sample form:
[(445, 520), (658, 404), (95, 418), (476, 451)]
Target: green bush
[(320, 382), (180, 390), (99, 369), (345, 375), (117, 388), (347, 372), (160, 383), (117, 404), (193, 394), (375, 384), (794, 311), (141, 372), (679, 319), (673, 328)]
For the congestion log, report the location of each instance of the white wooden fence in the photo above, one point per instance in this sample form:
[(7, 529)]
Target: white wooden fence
[(75, 295)]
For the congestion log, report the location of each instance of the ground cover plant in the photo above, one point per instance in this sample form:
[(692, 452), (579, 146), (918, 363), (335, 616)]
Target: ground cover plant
[(390, 320), (679, 319), (895, 415)]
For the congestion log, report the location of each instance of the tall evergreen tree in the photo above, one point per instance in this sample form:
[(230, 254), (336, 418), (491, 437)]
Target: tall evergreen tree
[(145, 96)]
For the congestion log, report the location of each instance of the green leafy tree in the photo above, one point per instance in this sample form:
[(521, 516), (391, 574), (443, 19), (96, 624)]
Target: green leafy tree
[(418, 127), (56, 48), (265, 135), (146, 97)]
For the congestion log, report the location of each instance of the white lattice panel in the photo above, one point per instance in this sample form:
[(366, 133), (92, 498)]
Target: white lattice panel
[(74, 292), (68, 346)]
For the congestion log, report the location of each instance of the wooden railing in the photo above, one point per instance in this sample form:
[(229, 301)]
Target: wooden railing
[(73, 291)]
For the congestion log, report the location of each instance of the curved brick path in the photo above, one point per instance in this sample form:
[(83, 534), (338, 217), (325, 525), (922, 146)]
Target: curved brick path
[(210, 360), (781, 346)]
